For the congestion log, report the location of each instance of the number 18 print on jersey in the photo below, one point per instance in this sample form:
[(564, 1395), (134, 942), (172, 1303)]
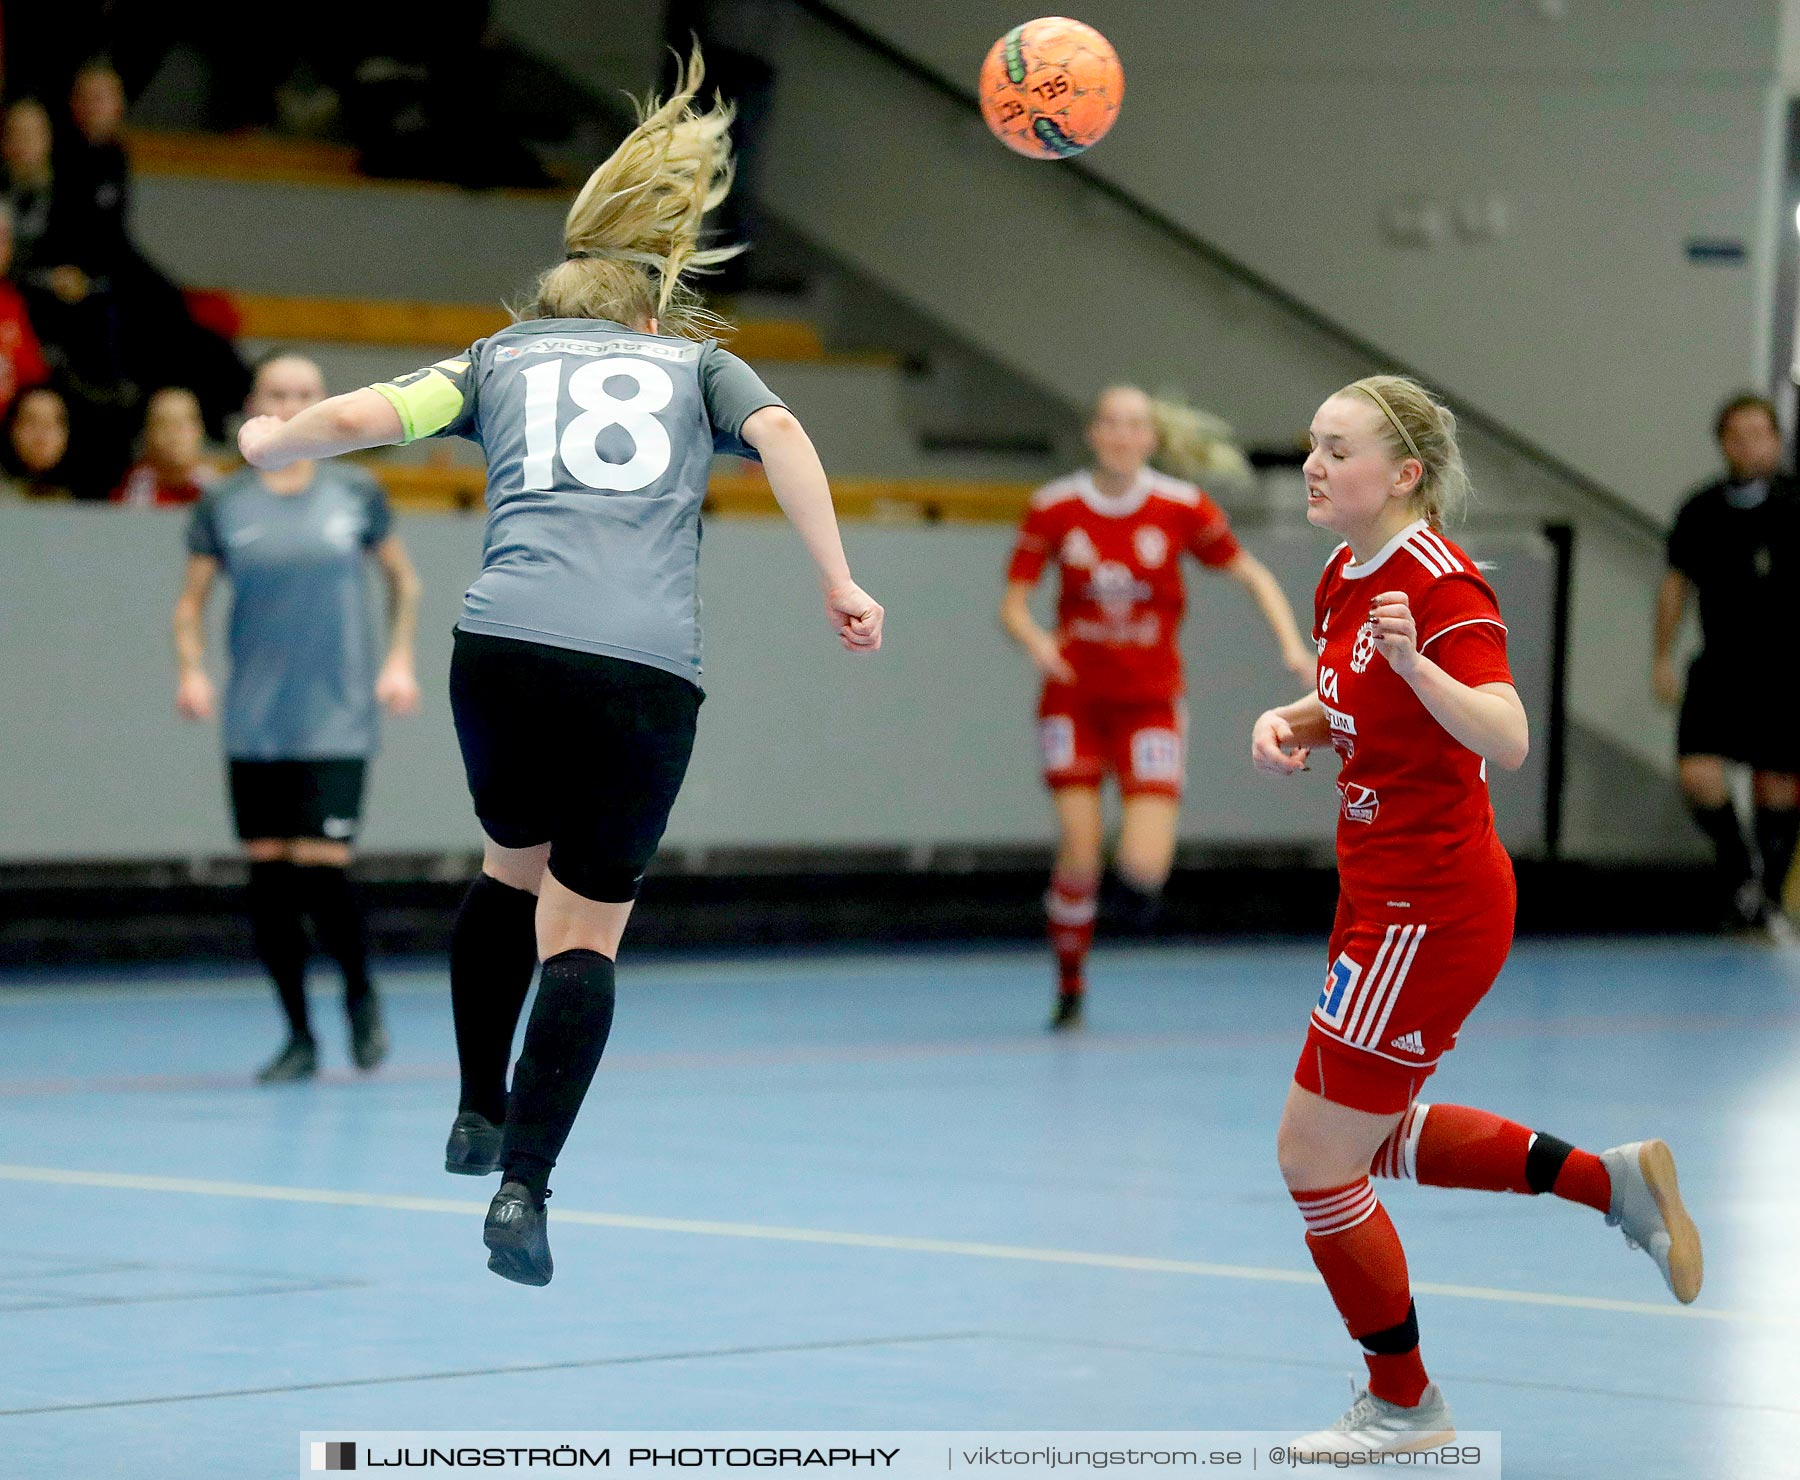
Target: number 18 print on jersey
[(599, 440)]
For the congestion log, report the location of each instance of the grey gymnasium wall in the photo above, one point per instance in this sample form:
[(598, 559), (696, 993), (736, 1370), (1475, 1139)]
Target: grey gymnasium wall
[(1594, 142), (1607, 137), (930, 743)]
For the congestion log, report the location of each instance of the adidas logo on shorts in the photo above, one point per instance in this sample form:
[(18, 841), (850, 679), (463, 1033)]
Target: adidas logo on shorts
[(1408, 1043)]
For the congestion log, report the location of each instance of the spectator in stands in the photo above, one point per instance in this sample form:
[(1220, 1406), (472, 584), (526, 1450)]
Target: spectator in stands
[(34, 447), (1736, 547), (92, 172), (157, 336), (173, 468), (25, 151), (73, 313), (21, 356)]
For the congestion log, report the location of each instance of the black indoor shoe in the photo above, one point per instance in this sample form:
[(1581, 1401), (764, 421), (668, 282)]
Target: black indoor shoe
[(518, 1244), (368, 1033), (473, 1149), (1067, 1016), (299, 1060)]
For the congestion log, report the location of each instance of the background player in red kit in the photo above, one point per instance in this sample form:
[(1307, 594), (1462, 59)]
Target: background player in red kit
[(1414, 693), (1112, 673)]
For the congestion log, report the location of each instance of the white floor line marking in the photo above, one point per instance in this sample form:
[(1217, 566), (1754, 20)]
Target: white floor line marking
[(952, 1248)]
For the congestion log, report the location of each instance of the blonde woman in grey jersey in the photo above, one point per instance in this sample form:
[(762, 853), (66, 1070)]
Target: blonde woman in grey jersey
[(575, 680)]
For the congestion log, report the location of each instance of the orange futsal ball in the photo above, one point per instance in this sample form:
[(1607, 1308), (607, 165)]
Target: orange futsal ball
[(1051, 87)]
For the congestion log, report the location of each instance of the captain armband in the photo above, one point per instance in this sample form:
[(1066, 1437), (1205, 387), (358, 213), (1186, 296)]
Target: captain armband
[(427, 400)]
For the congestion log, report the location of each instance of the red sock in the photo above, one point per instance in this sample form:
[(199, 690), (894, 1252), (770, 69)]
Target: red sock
[(1352, 1240), (1070, 906), (1455, 1146)]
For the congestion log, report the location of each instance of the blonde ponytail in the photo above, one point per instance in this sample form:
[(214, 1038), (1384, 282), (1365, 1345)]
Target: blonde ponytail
[(1195, 446), (633, 233)]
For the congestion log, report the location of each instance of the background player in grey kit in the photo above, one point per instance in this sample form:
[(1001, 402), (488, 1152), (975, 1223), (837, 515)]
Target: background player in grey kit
[(575, 680), (300, 722)]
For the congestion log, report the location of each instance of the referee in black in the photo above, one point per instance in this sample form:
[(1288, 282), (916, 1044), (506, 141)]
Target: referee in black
[(1736, 546)]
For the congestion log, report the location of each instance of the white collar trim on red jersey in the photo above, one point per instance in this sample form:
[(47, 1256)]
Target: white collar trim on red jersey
[(1354, 572), (1122, 507)]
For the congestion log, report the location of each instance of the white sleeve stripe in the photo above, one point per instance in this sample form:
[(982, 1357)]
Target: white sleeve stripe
[(1057, 491), (1426, 557), (1472, 622), (1436, 541)]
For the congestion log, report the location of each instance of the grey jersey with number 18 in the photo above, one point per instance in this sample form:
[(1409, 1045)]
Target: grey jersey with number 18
[(599, 440)]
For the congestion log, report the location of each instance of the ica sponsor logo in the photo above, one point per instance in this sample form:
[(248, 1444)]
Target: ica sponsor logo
[(1115, 589)]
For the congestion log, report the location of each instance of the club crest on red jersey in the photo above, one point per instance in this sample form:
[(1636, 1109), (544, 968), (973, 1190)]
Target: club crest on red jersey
[(1078, 550), (1152, 546), (1363, 653)]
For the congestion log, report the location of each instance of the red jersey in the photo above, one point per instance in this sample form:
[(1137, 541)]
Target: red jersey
[(1415, 825), (143, 487), (21, 356), (1120, 560)]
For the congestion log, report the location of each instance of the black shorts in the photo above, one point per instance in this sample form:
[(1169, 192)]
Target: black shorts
[(583, 752), (1744, 717), (298, 799)]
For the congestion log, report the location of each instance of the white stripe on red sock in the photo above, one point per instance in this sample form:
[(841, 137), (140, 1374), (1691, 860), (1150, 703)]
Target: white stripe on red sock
[(1335, 1209)]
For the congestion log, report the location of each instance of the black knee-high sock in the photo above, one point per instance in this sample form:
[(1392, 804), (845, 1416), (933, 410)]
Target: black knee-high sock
[(338, 921), (564, 1039), (1776, 829), (1720, 824), (493, 951), (279, 933)]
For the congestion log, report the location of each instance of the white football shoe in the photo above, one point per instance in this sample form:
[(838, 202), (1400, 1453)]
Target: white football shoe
[(1375, 1426), (1646, 1204)]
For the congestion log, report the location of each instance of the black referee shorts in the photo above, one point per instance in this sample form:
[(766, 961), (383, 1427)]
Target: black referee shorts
[(1750, 718), (583, 752)]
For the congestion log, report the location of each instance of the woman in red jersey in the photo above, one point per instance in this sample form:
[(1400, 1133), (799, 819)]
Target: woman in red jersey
[(1112, 672), (1414, 693)]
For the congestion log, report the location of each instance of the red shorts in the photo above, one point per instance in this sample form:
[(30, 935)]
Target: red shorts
[(1083, 740), (1397, 992)]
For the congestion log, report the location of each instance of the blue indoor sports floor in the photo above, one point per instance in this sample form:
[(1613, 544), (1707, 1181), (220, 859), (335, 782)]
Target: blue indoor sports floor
[(868, 1192)]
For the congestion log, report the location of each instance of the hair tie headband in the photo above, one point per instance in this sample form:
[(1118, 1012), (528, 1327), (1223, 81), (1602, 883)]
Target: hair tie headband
[(1388, 411), (580, 254)]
